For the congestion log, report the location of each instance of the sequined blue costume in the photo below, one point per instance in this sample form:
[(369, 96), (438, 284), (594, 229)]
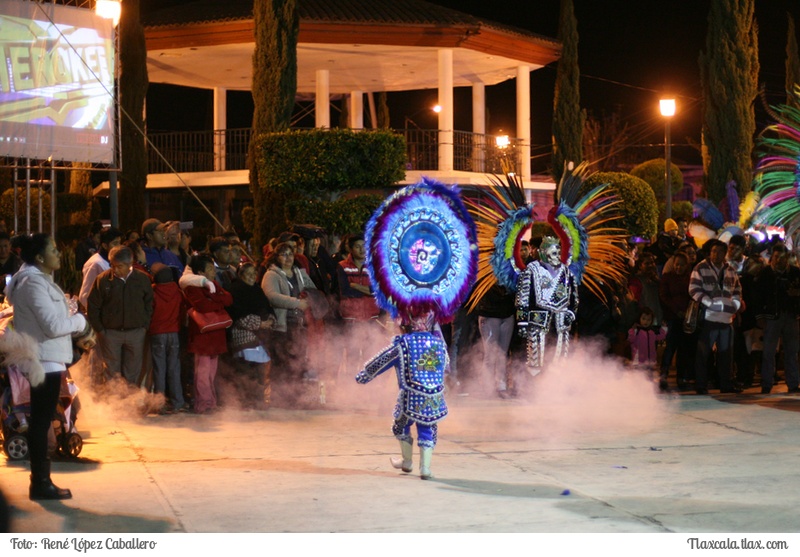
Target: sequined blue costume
[(420, 359)]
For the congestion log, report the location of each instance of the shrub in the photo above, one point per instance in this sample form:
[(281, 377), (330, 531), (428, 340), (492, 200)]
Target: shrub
[(299, 170), (639, 208), (652, 172)]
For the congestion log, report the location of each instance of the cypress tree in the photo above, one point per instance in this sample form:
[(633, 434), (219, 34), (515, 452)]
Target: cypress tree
[(274, 64), (792, 64), (277, 25), (568, 119), (729, 73), (384, 122), (133, 84)]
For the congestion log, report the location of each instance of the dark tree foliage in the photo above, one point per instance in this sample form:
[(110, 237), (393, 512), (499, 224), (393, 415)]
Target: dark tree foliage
[(274, 88), (133, 84), (792, 64), (568, 118), (383, 111), (274, 64), (729, 72)]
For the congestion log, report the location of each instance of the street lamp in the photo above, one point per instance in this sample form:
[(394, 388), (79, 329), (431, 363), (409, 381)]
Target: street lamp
[(409, 119), (667, 111), (108, 9)]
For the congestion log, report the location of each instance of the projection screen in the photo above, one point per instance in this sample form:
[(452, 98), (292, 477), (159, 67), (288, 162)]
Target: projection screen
[(56, 83)]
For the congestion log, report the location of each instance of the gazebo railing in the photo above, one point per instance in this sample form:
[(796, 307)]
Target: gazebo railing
[(217, 150)]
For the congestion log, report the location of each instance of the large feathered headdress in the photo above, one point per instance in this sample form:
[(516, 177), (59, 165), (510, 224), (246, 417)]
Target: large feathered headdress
[(777, 178), (593, 249), (502, 217), (589, 245), (421, 251)]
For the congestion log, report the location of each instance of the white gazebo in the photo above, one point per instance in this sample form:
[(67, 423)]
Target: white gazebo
[(354, 48)]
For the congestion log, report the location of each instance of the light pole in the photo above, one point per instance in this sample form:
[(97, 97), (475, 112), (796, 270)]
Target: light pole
[(112, 9), (667, 111)]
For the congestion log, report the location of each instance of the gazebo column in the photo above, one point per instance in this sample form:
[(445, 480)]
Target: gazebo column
[(322, 100), (220, 126), (479, 127), (446, 115), (356, 114), (524, 120)]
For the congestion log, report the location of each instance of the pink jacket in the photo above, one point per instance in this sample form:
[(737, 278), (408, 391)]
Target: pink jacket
[(643, 344)]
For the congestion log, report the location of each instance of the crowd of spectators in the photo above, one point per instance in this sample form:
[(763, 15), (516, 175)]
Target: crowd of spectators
[(144, 291)]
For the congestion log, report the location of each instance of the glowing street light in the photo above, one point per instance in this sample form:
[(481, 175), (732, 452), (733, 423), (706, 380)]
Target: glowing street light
[(502, 141), (409, 119), (667, 111), (108, 9)]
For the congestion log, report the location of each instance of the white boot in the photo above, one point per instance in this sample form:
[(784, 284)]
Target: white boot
[(425, 454), (405, 464)]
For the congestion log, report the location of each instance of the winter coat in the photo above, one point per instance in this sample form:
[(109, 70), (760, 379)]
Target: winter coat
[(643, 344), (169, 307), (200, 299), (777, 292), (97, 264), (279, 291), (250, 307), (120, 304), (673, 291), (41, 311), (354, 304)]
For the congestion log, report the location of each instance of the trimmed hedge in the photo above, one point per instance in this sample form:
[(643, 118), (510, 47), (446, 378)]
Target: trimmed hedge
[(322, 163), (300, 171)]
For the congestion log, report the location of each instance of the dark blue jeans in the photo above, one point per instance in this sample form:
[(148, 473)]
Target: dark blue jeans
[(721, 335)]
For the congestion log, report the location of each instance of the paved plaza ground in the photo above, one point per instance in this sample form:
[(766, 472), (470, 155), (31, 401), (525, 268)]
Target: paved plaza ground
[(594, 451)]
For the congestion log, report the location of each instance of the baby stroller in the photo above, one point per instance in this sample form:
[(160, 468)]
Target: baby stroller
[(15, 412)]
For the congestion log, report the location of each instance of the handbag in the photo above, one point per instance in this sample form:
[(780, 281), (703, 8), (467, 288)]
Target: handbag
[(295, 318), (210, 320), (693, 317)]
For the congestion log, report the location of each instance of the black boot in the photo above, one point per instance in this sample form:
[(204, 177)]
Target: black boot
[(41, 490), (42, 487)]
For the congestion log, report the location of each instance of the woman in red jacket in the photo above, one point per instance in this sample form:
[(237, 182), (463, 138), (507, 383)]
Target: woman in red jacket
[(206, 347)]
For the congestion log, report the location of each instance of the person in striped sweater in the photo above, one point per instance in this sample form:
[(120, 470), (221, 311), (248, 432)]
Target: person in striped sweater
[(715, 285)]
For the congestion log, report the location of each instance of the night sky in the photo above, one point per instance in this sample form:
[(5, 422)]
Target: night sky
[(630, 51)]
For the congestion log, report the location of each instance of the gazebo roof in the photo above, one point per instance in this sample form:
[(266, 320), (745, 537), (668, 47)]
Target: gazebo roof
[(368, 45)]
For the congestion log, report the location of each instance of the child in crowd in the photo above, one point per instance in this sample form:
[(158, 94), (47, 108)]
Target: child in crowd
[(168, 310), (206, 347), (643, 338)]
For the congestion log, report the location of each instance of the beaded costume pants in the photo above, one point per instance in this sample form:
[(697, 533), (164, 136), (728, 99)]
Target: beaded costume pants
[(426, 434)]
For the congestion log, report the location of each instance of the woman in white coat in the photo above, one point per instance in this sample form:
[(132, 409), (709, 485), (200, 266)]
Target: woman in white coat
[(41, 311)]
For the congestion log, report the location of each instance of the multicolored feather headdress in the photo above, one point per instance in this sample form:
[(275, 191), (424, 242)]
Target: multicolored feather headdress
[(593, 249), (590, 246), (422, 251), (777, 178), (502, 218)]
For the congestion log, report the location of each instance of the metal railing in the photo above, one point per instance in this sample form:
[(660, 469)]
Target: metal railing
[(202, 151), (217, 150)]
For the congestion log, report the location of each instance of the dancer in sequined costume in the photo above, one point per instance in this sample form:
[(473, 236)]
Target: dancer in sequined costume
[(421, 361), (547, 298), (587, 249), (422, 257)]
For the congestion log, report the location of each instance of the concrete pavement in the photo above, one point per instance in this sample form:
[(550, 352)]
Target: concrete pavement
[(600, 455)]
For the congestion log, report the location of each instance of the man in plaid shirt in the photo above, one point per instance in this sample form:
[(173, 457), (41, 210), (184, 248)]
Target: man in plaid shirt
[(715, 285)]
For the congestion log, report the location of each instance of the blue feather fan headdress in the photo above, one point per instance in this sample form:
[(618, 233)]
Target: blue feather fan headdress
[(421, 251), (590, 245)]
